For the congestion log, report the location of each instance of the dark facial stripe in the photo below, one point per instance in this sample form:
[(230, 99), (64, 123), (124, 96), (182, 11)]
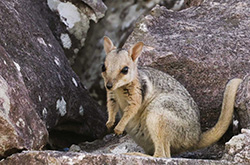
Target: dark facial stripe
[(143, 88), (119, 49)]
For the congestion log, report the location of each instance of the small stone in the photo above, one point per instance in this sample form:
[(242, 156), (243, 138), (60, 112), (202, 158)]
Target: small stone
[(74, 148)]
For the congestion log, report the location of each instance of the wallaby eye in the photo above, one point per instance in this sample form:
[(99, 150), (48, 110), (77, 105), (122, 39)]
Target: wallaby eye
[(124, 70), (103, 68)]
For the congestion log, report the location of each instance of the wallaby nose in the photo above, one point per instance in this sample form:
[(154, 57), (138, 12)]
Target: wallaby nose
[(109, 85)]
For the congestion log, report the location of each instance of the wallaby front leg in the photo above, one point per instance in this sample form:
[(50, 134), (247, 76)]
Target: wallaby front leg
[(112, 107), (129, 112)]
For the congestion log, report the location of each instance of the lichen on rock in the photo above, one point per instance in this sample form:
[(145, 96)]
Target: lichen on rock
[(77, 16), (238, 148)]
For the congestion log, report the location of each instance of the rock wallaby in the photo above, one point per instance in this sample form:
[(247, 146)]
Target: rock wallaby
[(157, 111)]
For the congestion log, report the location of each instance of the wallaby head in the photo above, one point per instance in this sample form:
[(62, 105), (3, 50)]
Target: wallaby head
[(120, 66)]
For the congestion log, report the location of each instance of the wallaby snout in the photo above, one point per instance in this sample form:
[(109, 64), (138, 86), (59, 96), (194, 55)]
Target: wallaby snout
[(109, 85)]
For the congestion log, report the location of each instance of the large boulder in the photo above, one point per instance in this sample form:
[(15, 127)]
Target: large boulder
[(109, 144), (237, 149), (20, 125), (202, 47), (111, 151), (76, 16), (55, 157), (243, 103), (125, 144), (118, 22), (38, 89)]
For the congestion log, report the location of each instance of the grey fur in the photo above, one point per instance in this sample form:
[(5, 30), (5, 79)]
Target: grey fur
[(169, 96)]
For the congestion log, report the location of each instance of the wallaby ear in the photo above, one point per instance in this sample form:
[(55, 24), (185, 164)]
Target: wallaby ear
[(108, 44), (136, 50)]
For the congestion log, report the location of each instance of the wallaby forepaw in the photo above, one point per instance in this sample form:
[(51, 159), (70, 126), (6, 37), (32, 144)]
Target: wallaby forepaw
[(109, 124), (118, 131)]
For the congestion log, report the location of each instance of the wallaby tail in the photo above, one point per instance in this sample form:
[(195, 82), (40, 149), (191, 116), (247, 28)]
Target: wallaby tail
[(214, 134)]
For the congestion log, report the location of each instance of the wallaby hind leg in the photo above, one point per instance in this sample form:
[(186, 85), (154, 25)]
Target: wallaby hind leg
[(156, 130), (167, 148), (162, 145)]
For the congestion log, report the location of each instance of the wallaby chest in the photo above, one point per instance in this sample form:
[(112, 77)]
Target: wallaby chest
[(121, 99)]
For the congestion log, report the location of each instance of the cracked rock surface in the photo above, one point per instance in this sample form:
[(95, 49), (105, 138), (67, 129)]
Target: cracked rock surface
[(39, 92), (202, 47)]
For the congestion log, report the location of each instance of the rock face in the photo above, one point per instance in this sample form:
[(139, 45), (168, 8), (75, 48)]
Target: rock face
[(238, 148), (177, 5), (237, 151), (20, 125), (76, 16), (54, 157), (109, 144), (202, 47), (243, 103), (118, 23), (38, 89)]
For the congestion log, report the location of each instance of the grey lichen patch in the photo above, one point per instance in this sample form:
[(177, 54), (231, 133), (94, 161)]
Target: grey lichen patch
[(74, 18), (61, 106), (45, 113), (66, 41), (17, 66), (81, 111), (80, 29), (237, 149), (53, 4), (57, 61), (69, 14), (178, 5), (20, 123), (39, 98), (76, 50), (41, 41), (143, 27), (4, 96), (74, 82)]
